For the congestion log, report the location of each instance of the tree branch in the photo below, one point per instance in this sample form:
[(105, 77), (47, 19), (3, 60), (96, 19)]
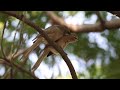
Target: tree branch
[(36, 27), (18, 67), (4, 62), (113, 24), (2, 39), (117, 13)]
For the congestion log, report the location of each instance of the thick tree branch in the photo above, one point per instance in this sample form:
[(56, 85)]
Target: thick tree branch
[(113, 24), (36, 27), (117, 13)]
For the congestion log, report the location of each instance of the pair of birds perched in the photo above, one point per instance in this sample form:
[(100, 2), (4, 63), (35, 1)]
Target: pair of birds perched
[(59, 34)]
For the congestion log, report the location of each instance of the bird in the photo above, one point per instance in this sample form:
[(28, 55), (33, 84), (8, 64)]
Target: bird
[(49, 50), (54, 32)]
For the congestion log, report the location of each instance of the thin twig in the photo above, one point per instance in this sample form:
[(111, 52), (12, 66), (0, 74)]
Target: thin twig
[(6, 74), (21, 36), (2, 39), (4, 62), (13, 45), (12, 51), (101, 20), (20, 68)]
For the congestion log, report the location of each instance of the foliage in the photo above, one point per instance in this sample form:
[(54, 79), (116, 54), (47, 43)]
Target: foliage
[(104, 62)]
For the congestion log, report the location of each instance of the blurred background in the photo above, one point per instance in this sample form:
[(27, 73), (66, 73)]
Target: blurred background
[(95, 55)]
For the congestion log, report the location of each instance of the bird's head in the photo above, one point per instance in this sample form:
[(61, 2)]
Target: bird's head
[(64, 29), (72, 38)]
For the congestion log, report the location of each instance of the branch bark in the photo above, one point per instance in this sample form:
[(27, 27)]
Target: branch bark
[(113, 24), (36, 27), (117, 13)]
